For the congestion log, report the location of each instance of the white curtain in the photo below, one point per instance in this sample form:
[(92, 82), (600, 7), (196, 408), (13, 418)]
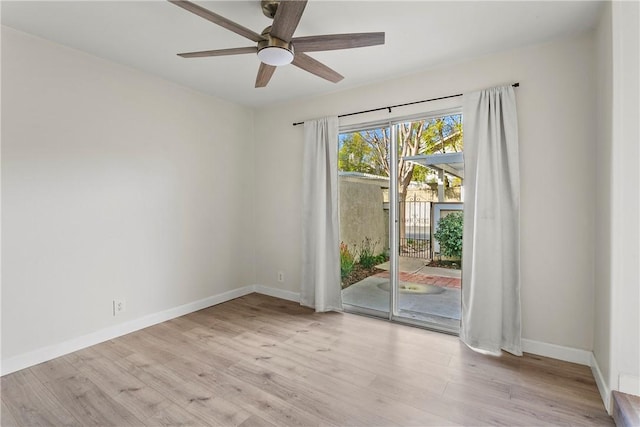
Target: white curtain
[(491, 242), (320, 287)]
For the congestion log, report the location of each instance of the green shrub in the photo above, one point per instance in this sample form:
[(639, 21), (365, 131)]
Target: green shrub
[(347, 260), (380, 258), (367, 251), (449, 235)]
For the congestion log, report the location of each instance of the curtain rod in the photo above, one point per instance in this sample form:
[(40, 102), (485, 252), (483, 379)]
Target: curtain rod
[(400, 105)]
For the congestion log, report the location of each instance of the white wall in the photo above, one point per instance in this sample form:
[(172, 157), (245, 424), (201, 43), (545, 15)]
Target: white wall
[(115, 184), (557, 124), (616, 346), (602, 259), (625, 212)]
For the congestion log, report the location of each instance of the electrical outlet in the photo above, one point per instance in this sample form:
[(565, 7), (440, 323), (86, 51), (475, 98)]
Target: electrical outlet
[(280, 276), (118, 306)]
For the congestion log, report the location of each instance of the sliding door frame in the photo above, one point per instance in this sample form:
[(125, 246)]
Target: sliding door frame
[(394, 222)]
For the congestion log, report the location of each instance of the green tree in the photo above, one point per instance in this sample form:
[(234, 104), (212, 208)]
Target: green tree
[(420, 173), (443, 135), (356, 155)]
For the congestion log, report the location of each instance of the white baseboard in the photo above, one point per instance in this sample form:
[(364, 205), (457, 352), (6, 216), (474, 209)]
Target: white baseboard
[(568, 354), (44, 354), (603, 388), (278, 293)]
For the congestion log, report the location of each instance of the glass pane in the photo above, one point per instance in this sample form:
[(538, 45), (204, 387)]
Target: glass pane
[(364, 220), (430, 177)]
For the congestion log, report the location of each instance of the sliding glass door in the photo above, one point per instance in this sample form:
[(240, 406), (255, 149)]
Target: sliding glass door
[(429, 198), (398, 184), (364, 189)]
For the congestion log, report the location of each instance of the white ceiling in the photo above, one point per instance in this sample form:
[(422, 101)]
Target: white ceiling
[(419, 35)]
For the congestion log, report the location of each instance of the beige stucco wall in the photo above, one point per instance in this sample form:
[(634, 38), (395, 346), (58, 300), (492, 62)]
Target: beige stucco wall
[(362, 215)]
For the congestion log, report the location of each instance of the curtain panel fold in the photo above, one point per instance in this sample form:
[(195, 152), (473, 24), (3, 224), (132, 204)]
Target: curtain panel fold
[(320, 287), (491, 318)]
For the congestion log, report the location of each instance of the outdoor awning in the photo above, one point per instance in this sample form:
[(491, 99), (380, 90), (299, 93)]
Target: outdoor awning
[(450, 163)]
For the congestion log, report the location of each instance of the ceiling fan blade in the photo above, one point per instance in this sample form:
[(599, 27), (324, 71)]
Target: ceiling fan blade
[(336, 41), (264, 74), (287, 18), (219, 52), (217, 19), (309, 64)]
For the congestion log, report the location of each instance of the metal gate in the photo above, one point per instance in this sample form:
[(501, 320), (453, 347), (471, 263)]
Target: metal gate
[(415, 238)]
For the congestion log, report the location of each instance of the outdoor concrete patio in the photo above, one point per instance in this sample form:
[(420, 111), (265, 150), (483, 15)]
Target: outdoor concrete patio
[(426, 293)]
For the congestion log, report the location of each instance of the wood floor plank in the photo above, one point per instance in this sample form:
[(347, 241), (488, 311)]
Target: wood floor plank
[(373, 363), (54, 370), (364, 326), (515, 371), (188, 395), (576, 410), (143, 342), (144, 402), (255, 421), (183, 323), (114, 349), (380, 345), (253, 399), (314, 383), (6, 417), (282, 375), (181, 343), (290, 358), (262, 361), (86, 402), (423, 398), (32, 404)]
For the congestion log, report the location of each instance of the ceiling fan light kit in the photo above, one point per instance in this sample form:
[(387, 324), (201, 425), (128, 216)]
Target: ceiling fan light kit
[(276, 56), (275, 46), (273, 51)]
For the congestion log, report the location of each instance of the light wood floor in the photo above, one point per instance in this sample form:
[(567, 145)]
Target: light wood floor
[(261, 361)]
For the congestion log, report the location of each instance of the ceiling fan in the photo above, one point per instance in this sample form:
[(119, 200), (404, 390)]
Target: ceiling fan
[(276, 46)]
